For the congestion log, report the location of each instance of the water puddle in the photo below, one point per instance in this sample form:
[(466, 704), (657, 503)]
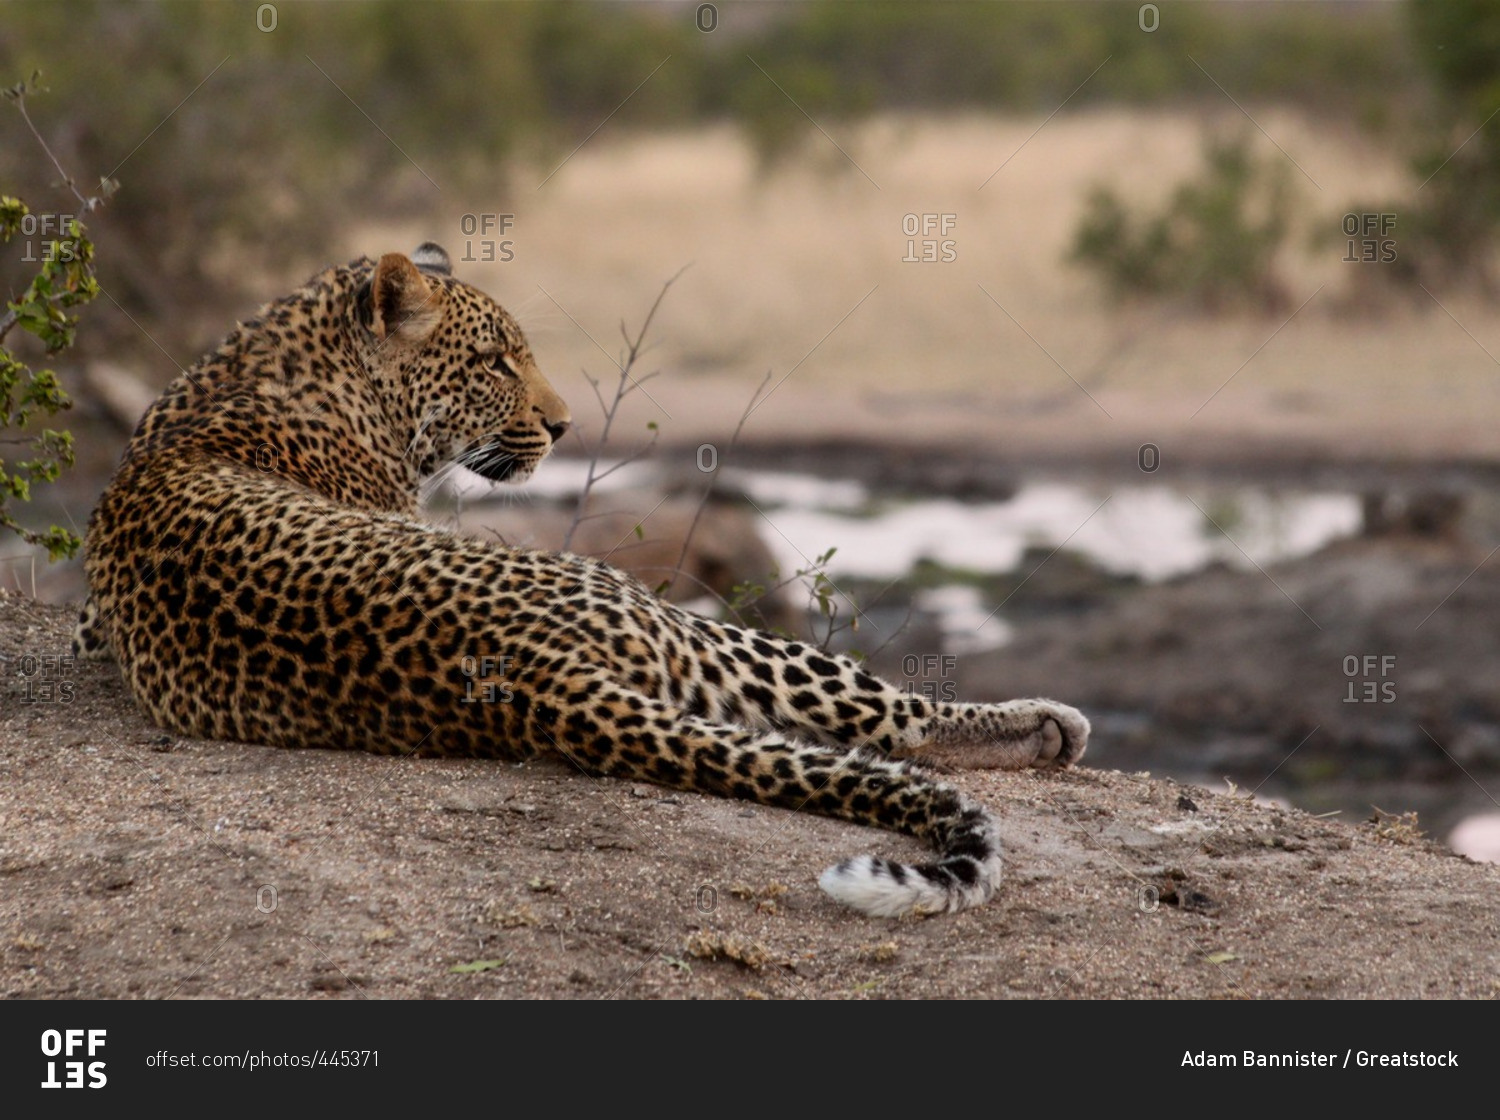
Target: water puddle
[(1151, 532)]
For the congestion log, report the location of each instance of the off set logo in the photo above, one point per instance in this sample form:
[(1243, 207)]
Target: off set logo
[(68, 1054)]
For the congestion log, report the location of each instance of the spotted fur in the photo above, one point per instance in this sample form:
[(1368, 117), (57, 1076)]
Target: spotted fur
[(259, 571)]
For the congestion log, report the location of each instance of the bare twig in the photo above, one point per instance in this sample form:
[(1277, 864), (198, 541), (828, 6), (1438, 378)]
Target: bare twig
[(6, 522), (894, 634), (623, 388), (89, 204)]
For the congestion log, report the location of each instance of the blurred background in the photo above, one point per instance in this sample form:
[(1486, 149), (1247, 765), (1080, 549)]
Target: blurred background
[(1139, 355)]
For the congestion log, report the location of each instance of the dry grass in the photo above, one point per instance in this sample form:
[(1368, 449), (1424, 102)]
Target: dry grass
[(802, 274)]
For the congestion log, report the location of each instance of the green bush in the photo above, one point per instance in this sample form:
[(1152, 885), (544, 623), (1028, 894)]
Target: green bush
[(1213, 247), (1447, 232), (64, 280)]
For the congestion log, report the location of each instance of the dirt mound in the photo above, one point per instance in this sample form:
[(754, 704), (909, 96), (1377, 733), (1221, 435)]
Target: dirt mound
[(137, 864)]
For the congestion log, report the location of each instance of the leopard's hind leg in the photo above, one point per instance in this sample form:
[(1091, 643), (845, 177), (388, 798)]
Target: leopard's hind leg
[(831, 699), (610, 730)]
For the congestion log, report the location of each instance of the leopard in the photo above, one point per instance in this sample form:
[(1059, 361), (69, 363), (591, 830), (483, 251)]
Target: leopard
[(260, 568)]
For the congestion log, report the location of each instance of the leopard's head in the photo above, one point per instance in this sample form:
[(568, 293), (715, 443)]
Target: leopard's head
[(454, 369)]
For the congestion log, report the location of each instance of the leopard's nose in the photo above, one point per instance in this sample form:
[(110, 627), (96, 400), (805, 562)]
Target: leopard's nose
[(556, 428)]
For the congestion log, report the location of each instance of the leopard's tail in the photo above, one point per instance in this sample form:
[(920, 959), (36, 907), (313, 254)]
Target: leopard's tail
[(674, 748), (966, 873)]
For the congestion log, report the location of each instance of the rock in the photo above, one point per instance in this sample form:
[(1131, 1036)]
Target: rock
[(1420, 513)]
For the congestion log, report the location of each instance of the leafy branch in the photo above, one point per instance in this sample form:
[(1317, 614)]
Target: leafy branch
[(64, 280)]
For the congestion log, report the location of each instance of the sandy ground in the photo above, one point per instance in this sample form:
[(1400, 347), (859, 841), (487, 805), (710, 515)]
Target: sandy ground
[(140, 865)]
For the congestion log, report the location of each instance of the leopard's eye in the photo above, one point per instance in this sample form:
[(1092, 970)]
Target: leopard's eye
[(502, 364)]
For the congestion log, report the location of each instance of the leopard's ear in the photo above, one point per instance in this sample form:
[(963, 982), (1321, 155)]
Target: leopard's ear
[(402, 302), (432, 257)]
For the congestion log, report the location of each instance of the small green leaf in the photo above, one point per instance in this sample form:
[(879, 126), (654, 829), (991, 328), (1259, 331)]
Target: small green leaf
[(478, 966)]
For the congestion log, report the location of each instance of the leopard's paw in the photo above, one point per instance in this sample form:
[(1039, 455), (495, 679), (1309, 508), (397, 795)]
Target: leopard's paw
[(1061, 737), (1013, 735)]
